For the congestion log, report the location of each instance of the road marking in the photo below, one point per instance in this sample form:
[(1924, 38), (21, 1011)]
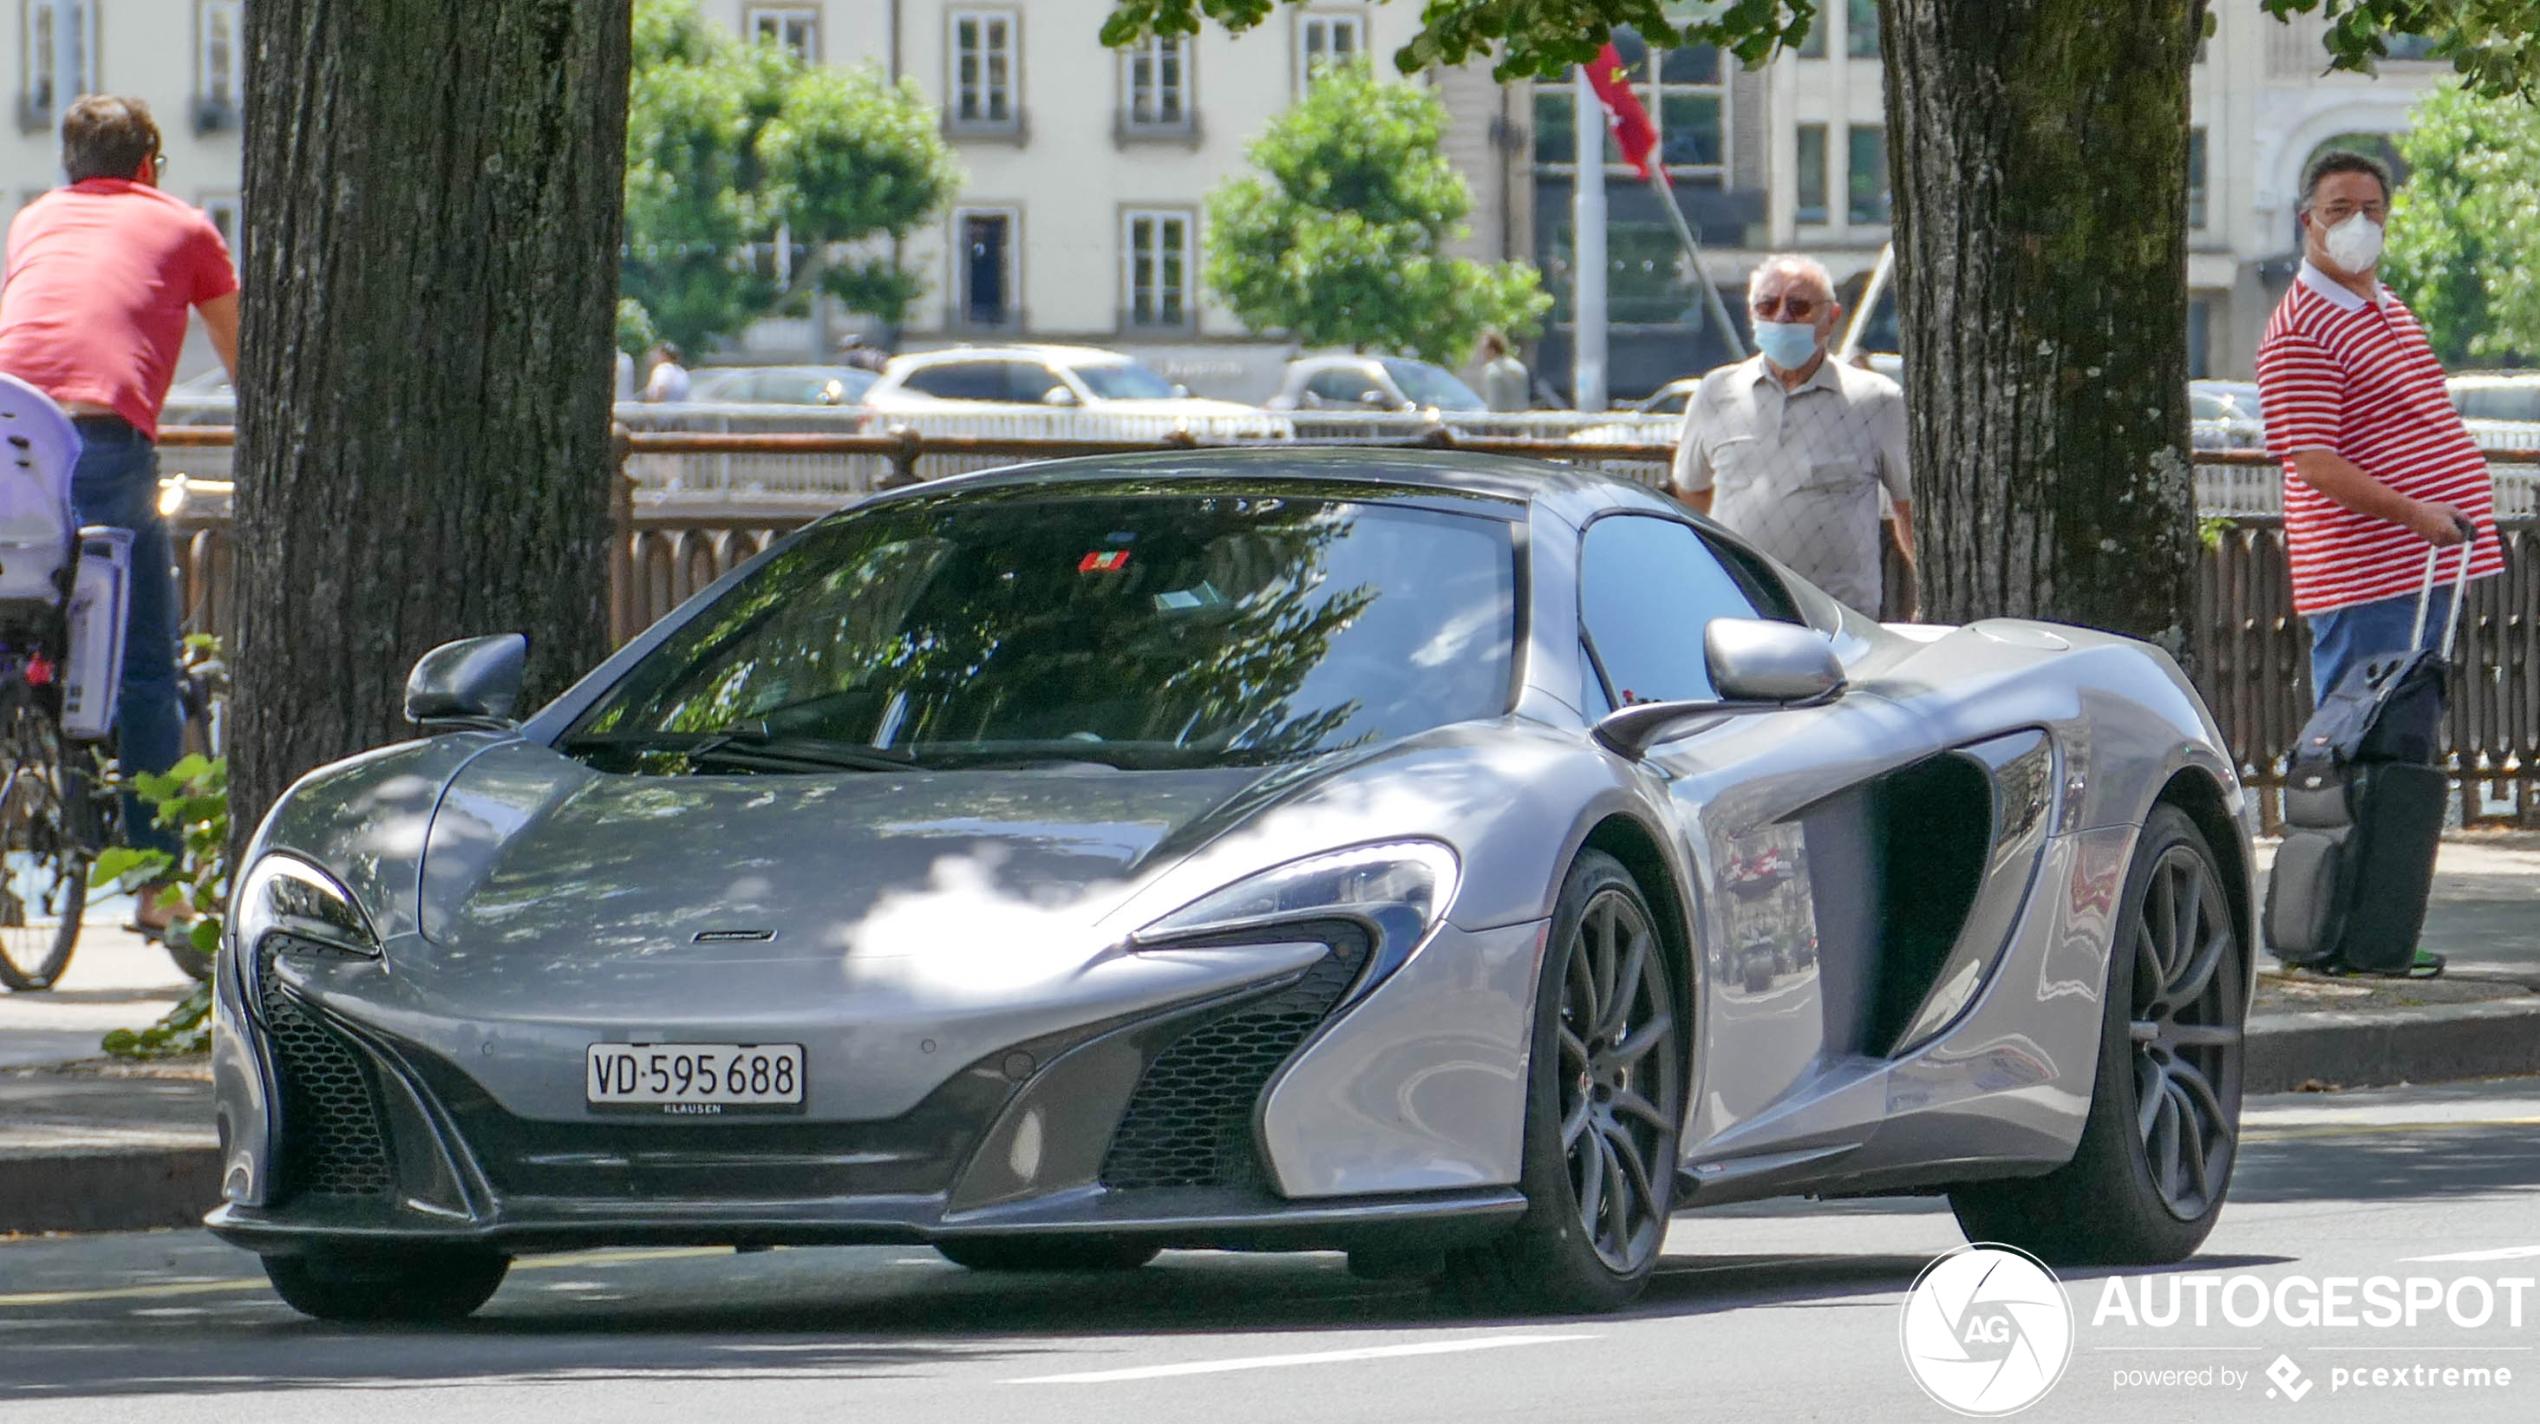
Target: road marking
[(2501, 1253), (236, 1283), (2361, 1129), (1324, 1357)]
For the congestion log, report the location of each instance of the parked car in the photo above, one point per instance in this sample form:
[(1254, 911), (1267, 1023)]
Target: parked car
[(2223, 415), (782, 385), (1372, 383), (1668, 400), (205, 399), (1278, 848), (1054, 378), (2496, 395)]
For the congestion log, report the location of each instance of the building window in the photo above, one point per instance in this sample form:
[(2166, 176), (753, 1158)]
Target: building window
[(222, 209), (985, 281), (985, 55), (1861, 29), (220, 34), (1156, 253), (1323, 40), (1811, 175), (1156, 74), (2196, 179), (1814, 47), (79, 19), (1866, 182), (2200, 338), (794, 27)]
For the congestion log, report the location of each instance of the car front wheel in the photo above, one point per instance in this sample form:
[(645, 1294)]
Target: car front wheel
[(1605, 1091), (415, 1288), (2156, 1153)]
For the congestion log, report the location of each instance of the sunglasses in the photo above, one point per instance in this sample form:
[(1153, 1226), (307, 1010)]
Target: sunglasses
[(1787, 308)]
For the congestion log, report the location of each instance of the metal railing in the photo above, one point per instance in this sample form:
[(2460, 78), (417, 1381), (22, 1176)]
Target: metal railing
[(2251, 650)]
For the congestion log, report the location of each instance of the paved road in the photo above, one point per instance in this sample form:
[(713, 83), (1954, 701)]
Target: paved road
[(1769, 1312)]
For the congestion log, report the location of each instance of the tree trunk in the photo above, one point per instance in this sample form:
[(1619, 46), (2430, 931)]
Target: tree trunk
[(2040, 179), (433, 200)]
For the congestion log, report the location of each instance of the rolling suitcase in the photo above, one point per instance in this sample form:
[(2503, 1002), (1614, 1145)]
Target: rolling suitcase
[(2363, 808)]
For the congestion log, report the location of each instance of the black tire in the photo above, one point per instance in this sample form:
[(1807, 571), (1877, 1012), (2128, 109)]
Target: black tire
[(2154, 1167), (1605, 1085), (44, 883), (1047, 1253), (408, 1288)]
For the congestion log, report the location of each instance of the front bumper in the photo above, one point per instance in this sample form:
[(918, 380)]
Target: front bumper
[(349, 1128)]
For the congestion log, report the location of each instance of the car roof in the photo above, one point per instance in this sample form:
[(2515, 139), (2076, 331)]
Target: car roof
[(1571, 491), (1020, 351), (2494, 378)]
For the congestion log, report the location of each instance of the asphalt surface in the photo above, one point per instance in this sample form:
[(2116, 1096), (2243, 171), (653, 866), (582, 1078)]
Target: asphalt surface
[(1773, 1311)]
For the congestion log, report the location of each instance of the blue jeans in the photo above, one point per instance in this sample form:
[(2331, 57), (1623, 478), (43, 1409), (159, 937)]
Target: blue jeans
[(116, 483), (2350, 637)]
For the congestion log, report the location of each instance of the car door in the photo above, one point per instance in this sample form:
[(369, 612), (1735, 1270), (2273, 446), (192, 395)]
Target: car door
[(1780, 812)]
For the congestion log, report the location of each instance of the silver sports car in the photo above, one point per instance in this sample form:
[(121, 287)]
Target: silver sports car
[(1463, 863)]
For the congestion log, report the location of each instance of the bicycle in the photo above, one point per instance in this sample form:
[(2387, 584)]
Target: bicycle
[(56, 812)]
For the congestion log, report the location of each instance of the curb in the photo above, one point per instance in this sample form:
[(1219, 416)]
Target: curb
[(2374, 1048), (128, 1189)]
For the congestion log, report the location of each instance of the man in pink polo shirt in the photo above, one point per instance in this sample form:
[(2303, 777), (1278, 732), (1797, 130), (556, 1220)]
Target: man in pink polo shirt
[(92, 311), (2377, 465)]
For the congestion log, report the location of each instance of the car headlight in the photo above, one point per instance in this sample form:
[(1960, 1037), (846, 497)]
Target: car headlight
[(290, 904), (1398, 889)]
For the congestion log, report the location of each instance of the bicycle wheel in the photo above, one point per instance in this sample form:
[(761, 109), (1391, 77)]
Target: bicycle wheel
[(43, 868)]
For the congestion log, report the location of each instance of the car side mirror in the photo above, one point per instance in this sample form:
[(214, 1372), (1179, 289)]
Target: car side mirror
[(472, 684), (1756, 666), (1180, 391), (1376, 400), (1058, 395)]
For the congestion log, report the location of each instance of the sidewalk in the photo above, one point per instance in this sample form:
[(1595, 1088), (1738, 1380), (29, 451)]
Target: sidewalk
[(88, 1144)]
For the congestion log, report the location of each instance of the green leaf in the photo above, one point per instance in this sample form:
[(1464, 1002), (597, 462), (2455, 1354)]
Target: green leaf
[(205, 935), (124, 868)]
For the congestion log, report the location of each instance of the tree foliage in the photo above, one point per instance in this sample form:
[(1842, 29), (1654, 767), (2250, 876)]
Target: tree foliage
[(2462, 232), (1339, 239), (2494, 43), (732, 145)]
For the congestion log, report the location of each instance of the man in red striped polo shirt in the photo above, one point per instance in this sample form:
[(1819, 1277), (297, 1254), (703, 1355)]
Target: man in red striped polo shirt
[(2377, 465)]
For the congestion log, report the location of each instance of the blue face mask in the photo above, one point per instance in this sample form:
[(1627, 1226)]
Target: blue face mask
[(1787, 344)]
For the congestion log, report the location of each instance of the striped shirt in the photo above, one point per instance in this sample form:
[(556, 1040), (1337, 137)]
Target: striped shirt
[(2356, 377)]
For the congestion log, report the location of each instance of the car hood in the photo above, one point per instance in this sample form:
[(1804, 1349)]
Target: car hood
[(529, 849)]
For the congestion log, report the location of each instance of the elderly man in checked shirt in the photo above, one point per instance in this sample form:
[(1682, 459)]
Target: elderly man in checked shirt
[(1792, 449), (2377, 465)]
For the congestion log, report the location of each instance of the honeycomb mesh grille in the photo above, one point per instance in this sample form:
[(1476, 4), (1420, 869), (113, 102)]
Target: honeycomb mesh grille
[(1190, 1122), (332, 1138)]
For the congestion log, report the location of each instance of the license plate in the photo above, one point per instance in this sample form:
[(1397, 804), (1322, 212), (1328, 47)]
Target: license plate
[(694, 1079)]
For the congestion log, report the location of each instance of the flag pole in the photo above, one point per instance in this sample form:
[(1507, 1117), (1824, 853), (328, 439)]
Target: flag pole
[(1712, 306), (1587, 252)]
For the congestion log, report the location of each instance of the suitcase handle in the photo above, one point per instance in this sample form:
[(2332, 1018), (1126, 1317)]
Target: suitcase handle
[(2460, 582)]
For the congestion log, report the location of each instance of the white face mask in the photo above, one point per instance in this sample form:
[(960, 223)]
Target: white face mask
[(2355, 244)]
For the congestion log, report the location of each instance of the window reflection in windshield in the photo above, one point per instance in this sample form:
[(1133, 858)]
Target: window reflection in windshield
[(1143, 631), (1431, 386), (1125, 380)]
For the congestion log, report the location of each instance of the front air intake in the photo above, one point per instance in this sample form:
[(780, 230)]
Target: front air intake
[(1190, 1122), (331, 1137)]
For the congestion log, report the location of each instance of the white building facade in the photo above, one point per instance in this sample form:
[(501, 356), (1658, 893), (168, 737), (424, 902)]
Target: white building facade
[(1082, 215)]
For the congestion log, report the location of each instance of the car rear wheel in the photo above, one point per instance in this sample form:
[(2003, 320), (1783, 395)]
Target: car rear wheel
[(412, 1287), (1047, 1254), (2156, 1154), (1605, 1091)]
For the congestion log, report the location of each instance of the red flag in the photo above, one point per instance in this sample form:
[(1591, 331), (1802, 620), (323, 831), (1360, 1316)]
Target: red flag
[(1633, 132)]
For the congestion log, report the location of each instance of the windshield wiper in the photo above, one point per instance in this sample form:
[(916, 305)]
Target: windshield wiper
[(751, 743)]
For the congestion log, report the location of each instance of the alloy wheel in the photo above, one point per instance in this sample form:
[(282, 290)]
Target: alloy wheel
[(2186, 1030), (1620, 1080)]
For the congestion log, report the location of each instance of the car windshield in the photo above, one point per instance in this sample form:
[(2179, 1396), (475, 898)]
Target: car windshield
[(1429, 386), (1670, 401), (1125, 380), (1139, 630)]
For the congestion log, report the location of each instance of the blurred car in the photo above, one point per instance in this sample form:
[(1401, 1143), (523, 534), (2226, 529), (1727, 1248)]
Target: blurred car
[(1372, 383), (1668, 400), (2496, 395), (783, 385), (205, 399), (2223, 415), (1050, 377)]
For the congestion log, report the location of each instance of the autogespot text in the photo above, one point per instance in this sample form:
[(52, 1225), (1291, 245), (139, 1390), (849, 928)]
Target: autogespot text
[(2471, 1311)]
